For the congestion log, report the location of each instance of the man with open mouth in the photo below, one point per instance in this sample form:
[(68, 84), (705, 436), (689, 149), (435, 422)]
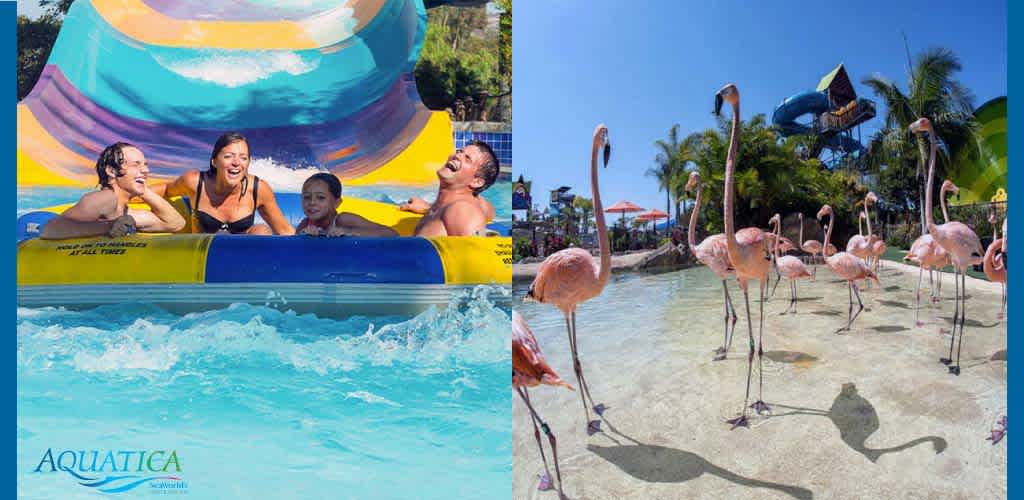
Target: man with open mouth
[(122, 172)]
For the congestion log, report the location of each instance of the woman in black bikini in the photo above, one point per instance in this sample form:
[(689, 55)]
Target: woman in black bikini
[(225, 198)]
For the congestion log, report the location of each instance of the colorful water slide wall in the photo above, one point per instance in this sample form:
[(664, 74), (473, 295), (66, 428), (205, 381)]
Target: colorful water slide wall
[(327, 84), (980, 180)]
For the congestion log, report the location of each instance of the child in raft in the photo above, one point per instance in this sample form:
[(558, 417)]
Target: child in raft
[(321, 197)]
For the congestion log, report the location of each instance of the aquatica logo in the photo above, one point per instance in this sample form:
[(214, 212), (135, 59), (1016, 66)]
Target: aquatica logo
[(118, 471)]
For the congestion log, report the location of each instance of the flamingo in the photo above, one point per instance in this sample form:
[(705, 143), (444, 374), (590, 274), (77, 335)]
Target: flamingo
[(789, 266), (712, 252), (859, 244), (530, 370), (748, 253), (878, 246), (568, 277), (927, 254), (993, 262), (847, 266), (959, 241), (812, 247)]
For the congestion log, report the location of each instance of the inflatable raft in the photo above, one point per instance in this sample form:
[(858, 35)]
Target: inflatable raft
[(327, 276)]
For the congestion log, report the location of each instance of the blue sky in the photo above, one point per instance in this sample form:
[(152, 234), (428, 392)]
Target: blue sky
[(640, 67), (29, 8)]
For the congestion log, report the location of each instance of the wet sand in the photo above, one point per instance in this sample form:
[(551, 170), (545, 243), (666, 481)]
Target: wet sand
[(866, 414)]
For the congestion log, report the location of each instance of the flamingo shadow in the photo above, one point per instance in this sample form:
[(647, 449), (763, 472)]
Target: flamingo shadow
[(660, 464), (893, 303), (891, 288), (808, 299), (827, 312), (857, 420), (889, 328), (972, 322), (789, 357)]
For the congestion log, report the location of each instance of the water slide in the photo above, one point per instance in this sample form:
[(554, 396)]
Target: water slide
[(814, 103), (312, 84)]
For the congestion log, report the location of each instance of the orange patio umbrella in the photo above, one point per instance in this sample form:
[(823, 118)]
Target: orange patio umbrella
[(653, 214), (623, 207)]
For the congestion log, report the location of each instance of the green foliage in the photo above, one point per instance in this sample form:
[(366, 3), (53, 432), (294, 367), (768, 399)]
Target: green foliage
[(35, 39), (902, 235), (897, 155), (771, 177), (462, 58), (522, 248)]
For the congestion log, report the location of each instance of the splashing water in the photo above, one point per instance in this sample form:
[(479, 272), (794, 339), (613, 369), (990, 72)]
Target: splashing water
[(253, 399)]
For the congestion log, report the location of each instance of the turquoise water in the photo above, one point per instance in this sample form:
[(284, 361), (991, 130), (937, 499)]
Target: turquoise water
[(260, 403)]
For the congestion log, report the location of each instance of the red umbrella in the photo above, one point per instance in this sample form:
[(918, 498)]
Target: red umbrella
[(654, 214), (622, 207)]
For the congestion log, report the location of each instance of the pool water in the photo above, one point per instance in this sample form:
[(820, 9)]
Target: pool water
[(262, 403), (646, 345), (259, 403)]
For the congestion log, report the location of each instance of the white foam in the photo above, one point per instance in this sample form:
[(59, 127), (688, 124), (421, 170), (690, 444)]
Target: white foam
[(237, 68), (283, 178), (370, 397)]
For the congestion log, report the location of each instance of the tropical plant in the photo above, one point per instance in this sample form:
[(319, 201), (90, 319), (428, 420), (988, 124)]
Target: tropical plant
[(586, 209), (35, 39), (934, 93)]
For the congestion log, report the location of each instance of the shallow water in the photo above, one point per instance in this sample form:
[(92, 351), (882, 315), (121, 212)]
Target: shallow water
[(646, 346), (262, 403)]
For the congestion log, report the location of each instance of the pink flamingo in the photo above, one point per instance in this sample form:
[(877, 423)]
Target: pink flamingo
[(748, 253), (878, 246), (847, 266), (712, 252), (784, 245), (959, 241), (812, 247), (993, 262), (927, 254), (530, 370), (789, 266), (569, 277), (859, 245)]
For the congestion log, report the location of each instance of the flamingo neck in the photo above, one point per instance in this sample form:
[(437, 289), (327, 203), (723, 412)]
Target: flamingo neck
[(602, 230), (929, 218), (692, 230), (730, 167), (942, 203), (778, 237), (867, 215), (801, 232), (828, 235), (860, 226)]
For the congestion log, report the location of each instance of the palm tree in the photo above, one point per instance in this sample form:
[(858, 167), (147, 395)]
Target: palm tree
[(933, 93), (586, 208), (686, 154), (668, 164)]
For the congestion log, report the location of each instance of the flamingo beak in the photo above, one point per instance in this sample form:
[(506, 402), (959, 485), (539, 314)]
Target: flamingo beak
[(607, 152), (719, 100)]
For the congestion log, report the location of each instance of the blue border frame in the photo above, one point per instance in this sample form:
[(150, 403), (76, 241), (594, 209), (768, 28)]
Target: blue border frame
[(1013, 342), (9, 46)]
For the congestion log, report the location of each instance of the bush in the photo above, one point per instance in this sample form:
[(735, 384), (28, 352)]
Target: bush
[(902, 235), (523, 248)]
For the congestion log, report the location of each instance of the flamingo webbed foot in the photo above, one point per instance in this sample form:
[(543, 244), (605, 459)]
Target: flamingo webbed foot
[(718, 357), (945, 361), (997, 435), (545, 483), (919, 323), (761, 407), (600, 408), (955, 370), (740, 421), (593, 427)]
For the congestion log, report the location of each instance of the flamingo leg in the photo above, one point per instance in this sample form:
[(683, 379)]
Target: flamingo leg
[(722, 351), (849, 312), (593, 426), (856, 293), (760, 406), (535, 418), (917, 310), (1002, 307), (793, 284), (778, 277), (741, 421), (955, 369), (956, 315)]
